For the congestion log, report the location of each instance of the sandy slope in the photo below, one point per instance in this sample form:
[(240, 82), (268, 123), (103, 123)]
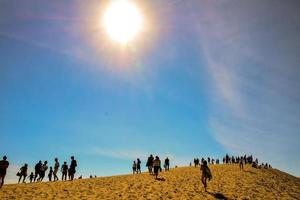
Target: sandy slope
[(180, 183)]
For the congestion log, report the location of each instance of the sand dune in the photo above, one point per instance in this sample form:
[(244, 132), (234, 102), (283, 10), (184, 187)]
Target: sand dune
[(180, 183)]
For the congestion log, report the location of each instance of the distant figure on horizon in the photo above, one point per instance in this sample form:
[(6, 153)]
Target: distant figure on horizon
[(157, 166), (43, 170), (149, 163), (206, 174), (50, 174), (64, 171), (37, 170), (31, 177), (134, 167), (72, 168), (167, 164), (56, 168), (23, 173), (138, 166), (241, 164), (3, 169)]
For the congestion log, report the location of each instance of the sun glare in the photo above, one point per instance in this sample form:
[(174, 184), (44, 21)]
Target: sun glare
[(122, 21)]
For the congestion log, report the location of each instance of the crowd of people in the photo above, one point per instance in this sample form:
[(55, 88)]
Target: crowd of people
[(153, 164), (40, 171)]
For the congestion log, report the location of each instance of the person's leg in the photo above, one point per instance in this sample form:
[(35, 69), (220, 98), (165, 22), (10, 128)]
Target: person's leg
[(2, 180), (20, 178)]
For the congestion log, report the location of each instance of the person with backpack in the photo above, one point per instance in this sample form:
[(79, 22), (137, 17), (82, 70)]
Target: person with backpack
[(23, 173), (43, 170), (3, 169), (64, 171), (206, 174), (157, 166), (56, 168), (72, 168)]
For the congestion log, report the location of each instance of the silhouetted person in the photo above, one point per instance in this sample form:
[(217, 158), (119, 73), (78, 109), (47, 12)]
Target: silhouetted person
[(241, 164), (72, 168), (23, 173), (56, 168), (37, 170), (31, 177), (138, 166), (43, 170), (134, 167), (167, 164), (50, 174), (206, 174), (64, 171), (149, 163), (208, 160), (3, 169), (157, 166)]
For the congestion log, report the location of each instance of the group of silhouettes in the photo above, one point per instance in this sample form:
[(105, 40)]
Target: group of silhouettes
[(153, 165), (40, 171), (241, 160)]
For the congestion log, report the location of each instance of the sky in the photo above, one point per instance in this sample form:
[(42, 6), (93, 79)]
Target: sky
[(202, 78)]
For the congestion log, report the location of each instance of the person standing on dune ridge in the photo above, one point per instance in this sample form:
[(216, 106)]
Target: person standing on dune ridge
[(72, 169), (3, 168), (56, 167)]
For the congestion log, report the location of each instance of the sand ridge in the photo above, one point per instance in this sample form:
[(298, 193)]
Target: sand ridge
[(181, 183)]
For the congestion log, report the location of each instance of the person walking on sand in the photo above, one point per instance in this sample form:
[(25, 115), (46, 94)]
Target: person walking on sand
[(64, 171), (23, 173), (134, 167), (206, 174), (149, 163), (31, 176), (138, 166), (157, 166), (37, 170), (43, 170), (167, 164), (50, 174), (56, 167), (72, 168), (3, 168)]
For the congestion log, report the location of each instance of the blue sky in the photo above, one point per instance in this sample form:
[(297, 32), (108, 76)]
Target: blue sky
[(203, 78)]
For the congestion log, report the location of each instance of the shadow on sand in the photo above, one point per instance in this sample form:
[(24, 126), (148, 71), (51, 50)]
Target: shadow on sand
[(218, 195), (160, 179)]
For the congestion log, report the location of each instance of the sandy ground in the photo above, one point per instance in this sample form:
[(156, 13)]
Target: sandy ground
[(181, 183)]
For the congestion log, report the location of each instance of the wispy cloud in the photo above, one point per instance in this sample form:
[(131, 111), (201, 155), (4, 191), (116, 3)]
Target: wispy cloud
[(255, 73)]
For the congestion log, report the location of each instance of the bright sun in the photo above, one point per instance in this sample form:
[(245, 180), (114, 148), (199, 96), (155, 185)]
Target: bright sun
[(122, 21)]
